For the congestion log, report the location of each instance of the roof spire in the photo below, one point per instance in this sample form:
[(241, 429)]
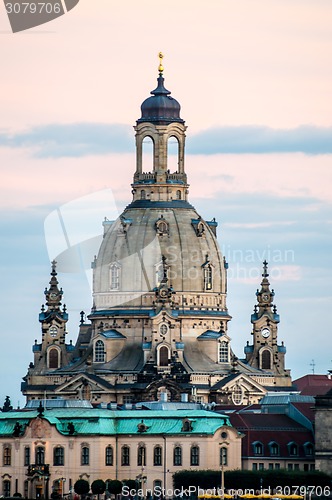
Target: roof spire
[(265, 273), (161, 67)]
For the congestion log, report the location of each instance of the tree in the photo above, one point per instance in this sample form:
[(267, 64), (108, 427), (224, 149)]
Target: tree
[(82, 487), (98, 487), (114, 486)]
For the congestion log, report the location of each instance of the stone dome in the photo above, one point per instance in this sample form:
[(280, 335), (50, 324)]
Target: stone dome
[(161, 107), (136, 245)]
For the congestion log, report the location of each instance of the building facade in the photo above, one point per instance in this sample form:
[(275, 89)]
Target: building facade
[(159, 320), (47, 451)]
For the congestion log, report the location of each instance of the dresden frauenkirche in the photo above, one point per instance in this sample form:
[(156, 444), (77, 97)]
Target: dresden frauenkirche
[(158, 327)]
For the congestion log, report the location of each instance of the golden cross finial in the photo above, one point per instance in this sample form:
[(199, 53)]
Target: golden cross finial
[(161, 67)]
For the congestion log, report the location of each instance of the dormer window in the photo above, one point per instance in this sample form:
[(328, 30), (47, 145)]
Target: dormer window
[(99, 352), (257, 448), (186, 425), (223, 352)]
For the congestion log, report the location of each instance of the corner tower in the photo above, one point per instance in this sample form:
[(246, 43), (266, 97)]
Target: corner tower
[(265, 354)]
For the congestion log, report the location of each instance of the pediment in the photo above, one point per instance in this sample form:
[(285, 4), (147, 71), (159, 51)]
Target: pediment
[(80, 381), (228, 384)]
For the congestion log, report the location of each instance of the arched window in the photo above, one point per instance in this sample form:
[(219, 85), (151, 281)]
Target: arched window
[(147, 154), (258, 448), (7, 455), (223, 456), (208, 277), (59, 455), (114, 276), (157, 455), (178, 194), (173, 154), (40, 455), (125, 455), (109, 455), (274, 449), (177, 456), (194, 455), (99, 351), (53, 358), (141, 454), (85, 455), (6, 488), (163, 356), (293, 449), (266, 360), (143, 194), (223, 352)]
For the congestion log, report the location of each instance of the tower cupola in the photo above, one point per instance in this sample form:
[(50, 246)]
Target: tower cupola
[(160, 180), (161, 108)]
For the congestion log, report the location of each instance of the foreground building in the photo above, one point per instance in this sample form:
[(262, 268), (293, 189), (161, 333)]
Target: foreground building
[(323, 426), (47, 451), (159, 320)]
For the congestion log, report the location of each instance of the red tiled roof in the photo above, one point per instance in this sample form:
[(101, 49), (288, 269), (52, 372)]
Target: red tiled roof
[(313, 385), (267, 428)]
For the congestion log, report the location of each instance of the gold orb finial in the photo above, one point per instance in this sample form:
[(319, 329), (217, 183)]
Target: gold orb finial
[(161, 67)]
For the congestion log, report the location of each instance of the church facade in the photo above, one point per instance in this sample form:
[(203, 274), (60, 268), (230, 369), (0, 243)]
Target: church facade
[(159, 319)]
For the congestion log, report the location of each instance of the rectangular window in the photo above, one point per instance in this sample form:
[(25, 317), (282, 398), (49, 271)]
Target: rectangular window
[(254, 466), (157, 454), (194, 456), (59, 456), (27, 455), (312, 466), (261, 466), (296, 466), (290, 466), (277, 466), (270, 466), (85, 455), (125, 455), (7, 456), (109, 455), (177, 458)]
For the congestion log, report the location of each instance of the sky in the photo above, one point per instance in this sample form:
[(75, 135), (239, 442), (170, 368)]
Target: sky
[(254, 79)]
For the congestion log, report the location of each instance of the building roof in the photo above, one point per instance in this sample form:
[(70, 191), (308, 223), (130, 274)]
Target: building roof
[(313, 385), (107, 422), (272, 428)]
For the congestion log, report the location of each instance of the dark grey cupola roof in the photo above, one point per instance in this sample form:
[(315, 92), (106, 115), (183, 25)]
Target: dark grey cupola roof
[(160, 108)]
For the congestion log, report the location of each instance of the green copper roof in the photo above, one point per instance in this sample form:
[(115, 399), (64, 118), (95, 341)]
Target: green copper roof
[(107, 422)]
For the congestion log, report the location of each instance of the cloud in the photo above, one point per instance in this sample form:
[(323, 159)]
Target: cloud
[(85, 139), (305, 139), (72, 140)]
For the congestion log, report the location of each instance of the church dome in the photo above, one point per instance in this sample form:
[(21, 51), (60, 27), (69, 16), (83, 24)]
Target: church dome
[(146, 245), (161, 107)]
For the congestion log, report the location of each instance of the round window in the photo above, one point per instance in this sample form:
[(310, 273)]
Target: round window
[(224, 435)]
